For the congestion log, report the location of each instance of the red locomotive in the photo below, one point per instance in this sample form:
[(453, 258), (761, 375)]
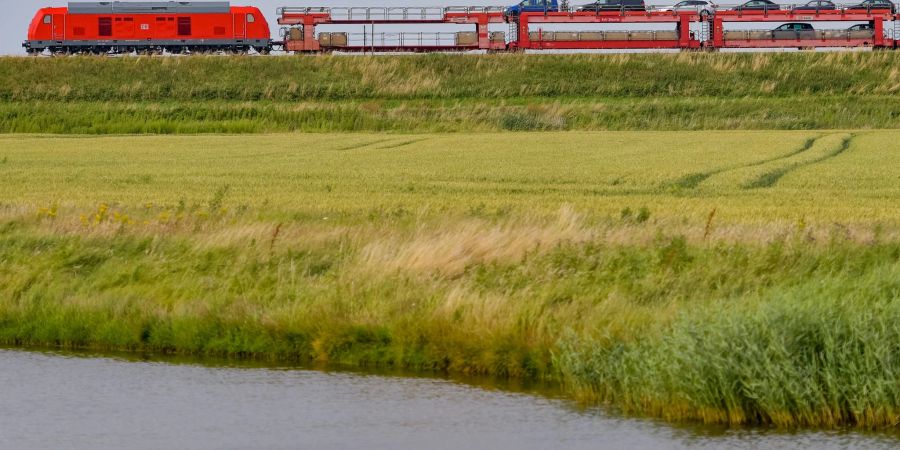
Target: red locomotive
[(118, 27)]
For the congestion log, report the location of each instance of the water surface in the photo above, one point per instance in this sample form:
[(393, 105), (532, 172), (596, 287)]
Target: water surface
[(56, 401)]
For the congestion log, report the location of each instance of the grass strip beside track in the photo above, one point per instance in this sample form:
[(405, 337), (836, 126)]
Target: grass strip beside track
[(450, 93)]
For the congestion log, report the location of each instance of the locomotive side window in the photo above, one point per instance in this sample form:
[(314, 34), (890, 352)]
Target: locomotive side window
[(250, 18), (104, 25), (184, 26), (47, 19)]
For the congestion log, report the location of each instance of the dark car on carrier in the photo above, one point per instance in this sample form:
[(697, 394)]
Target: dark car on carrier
[(758, 5), (817, 5), (870, 5), (614, 5)]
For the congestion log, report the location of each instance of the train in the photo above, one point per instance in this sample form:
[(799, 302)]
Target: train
[(201, 27)]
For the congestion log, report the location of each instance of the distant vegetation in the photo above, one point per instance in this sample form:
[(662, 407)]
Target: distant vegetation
[(726, 277), (687, 91)]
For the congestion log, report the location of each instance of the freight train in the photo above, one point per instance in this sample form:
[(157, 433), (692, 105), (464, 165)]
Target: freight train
[(194, 27)]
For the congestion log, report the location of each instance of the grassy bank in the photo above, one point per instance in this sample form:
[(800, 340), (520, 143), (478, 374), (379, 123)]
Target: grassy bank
[(446, 93), (708, 281)]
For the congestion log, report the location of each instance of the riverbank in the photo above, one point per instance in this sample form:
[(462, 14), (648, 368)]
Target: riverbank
[(699, 283), (450, 93)]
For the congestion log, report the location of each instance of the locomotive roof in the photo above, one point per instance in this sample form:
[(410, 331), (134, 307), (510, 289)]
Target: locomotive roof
[(148, 7)]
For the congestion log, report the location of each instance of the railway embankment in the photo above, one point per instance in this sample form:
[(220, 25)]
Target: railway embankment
[(450, 93)]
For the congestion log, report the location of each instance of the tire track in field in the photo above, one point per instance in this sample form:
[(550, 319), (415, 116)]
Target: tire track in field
[(361, 145), (402, 144), (693, 180), (772, 177)]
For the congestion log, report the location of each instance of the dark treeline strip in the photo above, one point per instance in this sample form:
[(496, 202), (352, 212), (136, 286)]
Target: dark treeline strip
[(450, 77)]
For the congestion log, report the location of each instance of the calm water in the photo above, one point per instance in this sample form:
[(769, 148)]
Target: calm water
[(52, 401)]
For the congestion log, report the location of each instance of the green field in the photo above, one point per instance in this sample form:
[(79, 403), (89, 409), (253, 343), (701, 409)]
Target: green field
[(720, 276), (451, 93)]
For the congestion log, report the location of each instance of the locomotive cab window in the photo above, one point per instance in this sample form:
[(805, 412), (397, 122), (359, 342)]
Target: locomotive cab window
[(250, 18), (47, 19), (104, 26), (184, 26)]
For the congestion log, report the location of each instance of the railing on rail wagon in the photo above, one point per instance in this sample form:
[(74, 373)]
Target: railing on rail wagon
[(389, 14), (399, 40), (424, 40), (438, 13), (823, 35)]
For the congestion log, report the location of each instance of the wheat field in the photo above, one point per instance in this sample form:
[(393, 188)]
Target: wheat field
[(749, 178)]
